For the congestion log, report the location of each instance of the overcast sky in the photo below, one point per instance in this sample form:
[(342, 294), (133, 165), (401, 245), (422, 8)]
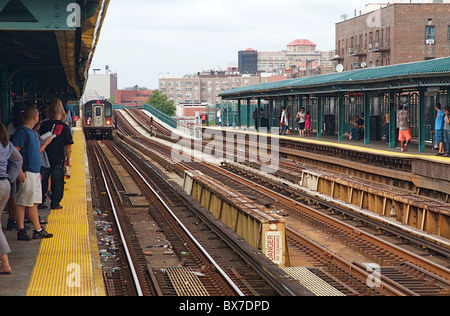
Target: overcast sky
[(141, 39)]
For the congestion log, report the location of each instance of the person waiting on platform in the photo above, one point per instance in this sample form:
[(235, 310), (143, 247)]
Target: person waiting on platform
[(308, 124), (29, 189), (403, 121), (439, 129), (447, 131), (219, 117), (357, 130), (8, 156), (284, 122), (59, 150), (386, 126), (301, 120)]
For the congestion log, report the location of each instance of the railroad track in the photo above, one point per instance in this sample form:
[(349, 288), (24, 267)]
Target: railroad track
[(430, 279), (242, 274)]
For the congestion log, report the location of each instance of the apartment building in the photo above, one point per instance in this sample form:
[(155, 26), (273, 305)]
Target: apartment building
[(394, 33), (195, 90), (300, 58)]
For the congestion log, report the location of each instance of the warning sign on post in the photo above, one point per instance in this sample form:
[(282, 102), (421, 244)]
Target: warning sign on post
[(274, 246)]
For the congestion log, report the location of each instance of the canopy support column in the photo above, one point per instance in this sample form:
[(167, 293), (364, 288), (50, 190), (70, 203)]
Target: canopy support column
[(258, 115), (248, 113), (392, 120), (421, 119), (271, 114), (341, 100), (366, 118), (4, 98), (239, 114), (319, 116)]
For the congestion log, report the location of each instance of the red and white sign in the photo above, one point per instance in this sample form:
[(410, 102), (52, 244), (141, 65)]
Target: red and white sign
[(274, 246)]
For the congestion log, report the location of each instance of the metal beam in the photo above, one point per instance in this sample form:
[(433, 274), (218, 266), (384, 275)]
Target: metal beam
[(42, 15)]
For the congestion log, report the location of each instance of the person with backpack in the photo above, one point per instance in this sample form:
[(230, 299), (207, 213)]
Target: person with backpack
[(29, 191), (59, 151)]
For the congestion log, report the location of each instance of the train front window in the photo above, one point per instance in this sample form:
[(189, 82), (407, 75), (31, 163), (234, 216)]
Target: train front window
[(98, 111), (108, 111), (88, 111)]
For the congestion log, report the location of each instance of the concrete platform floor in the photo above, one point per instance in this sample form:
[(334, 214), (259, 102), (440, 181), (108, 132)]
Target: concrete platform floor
[(22, 259)]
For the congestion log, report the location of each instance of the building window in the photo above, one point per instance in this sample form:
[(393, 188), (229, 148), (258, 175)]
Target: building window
[(429, 34), (388, 36)]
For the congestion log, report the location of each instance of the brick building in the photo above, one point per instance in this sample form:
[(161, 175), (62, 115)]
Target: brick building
[(132, 97), (394, 34)]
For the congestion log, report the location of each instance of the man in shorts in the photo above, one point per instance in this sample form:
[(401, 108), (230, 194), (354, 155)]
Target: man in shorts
[(403, 121), (29, 181)]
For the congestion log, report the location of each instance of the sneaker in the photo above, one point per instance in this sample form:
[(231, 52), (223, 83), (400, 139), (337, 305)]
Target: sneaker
[(57, 207), (12, 225), (42, 234), (22, 235)]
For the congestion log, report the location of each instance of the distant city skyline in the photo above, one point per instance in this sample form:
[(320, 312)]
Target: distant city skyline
[(141, 40)]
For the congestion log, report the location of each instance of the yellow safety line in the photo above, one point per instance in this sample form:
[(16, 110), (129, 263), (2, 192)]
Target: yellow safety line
[(64, 266)]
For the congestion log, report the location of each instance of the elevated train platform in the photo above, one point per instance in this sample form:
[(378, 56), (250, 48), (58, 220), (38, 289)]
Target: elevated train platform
[(67, 264), (47, 51)]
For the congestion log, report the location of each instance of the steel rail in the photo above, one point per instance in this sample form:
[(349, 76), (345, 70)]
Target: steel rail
[(185, 229), (439, 269), (122, 236)]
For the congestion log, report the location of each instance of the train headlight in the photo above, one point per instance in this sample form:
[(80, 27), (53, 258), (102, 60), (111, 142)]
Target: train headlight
[(88, 121), (108, 121)]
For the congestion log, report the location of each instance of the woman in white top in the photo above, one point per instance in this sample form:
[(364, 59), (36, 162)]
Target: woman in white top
[(284, 121), (301, 119)]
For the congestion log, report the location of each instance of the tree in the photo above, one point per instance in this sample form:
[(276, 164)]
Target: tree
[(112, 99), (159, 101)]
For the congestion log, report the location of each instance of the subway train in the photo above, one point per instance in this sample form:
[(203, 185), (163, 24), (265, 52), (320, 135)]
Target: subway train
[(98, 120)]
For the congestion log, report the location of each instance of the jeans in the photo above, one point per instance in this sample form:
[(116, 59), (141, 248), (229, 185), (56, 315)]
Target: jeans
[(447, 141), (57, 188)]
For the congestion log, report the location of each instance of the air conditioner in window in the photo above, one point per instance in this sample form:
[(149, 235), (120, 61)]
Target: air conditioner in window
[(430, 41)]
